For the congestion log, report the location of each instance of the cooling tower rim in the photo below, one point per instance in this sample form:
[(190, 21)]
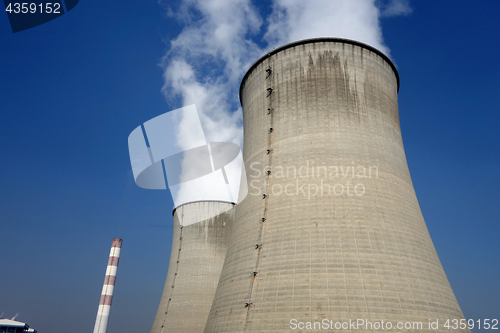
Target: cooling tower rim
[(196, 201), (316, 40)]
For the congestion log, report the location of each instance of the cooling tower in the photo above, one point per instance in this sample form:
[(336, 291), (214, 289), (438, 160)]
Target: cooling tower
[(198, 251), (331, 229)]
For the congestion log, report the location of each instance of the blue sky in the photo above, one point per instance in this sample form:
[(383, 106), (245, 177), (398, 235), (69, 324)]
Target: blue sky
[(73, 89)]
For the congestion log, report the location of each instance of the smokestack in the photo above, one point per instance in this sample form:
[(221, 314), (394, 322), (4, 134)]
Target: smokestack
[(101, 321), (332, 229)]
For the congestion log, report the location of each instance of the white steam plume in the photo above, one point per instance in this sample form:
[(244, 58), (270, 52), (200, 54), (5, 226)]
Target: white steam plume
[(396, 8), (222, 38), (295, 19), (207, 60)]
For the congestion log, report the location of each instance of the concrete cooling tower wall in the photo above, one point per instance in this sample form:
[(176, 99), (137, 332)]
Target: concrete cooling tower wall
[(198, 252), (331, 228)]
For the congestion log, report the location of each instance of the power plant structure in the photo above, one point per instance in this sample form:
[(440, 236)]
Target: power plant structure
[(204, 180), (101, 322), (199, 244), (331, 228)]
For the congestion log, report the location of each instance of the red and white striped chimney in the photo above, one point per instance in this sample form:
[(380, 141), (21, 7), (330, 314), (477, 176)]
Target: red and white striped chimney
[(101, 322)]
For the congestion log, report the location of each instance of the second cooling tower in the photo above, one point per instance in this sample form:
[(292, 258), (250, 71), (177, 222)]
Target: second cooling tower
[(331, 228), (198, 251)]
